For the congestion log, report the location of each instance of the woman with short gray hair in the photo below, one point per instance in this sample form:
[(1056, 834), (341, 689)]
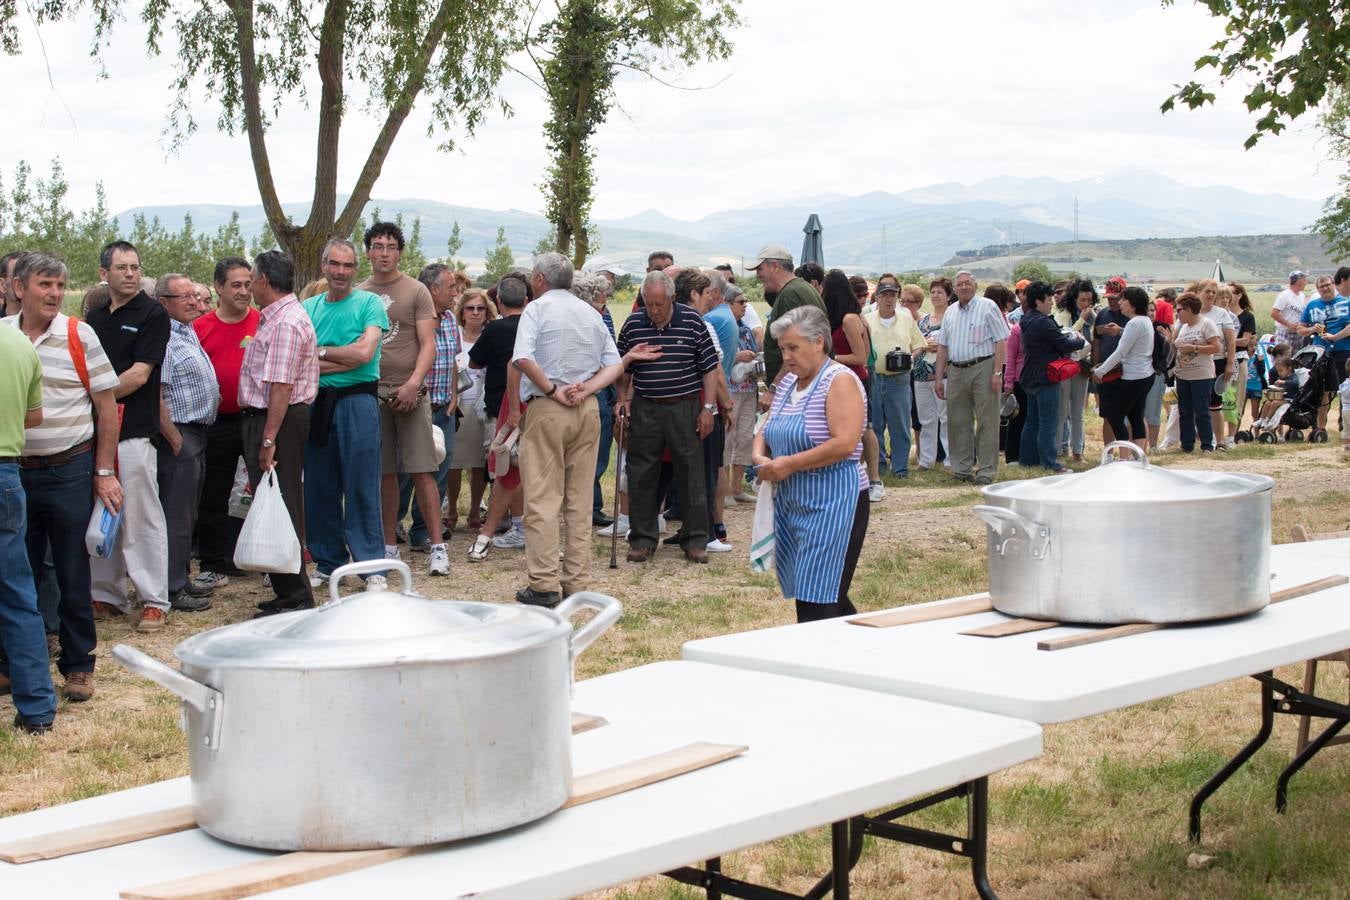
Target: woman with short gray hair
[(810, 450)]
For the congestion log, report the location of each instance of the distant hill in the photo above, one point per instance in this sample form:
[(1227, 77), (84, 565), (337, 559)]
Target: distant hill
[(1268, 257), (915, 229)]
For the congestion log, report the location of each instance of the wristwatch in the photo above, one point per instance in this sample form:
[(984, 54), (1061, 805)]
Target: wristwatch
[(711, 407), (268, 443), (323, 353), (552, 390), (105, 473)]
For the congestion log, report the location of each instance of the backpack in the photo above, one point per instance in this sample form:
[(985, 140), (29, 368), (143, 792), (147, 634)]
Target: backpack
[(1164, 352)]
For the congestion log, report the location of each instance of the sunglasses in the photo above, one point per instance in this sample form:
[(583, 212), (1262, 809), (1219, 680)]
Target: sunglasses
[(475, 309)]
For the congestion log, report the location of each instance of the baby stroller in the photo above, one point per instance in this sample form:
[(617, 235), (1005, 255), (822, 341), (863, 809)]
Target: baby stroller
[(1299, 413)]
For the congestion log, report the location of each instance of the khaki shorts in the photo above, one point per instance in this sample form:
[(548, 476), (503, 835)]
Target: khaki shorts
[(406, 444), (741, 439)]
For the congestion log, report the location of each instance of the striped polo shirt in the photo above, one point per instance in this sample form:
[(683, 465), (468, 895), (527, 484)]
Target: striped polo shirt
[(687, 353), (971, 333), (67, 412)]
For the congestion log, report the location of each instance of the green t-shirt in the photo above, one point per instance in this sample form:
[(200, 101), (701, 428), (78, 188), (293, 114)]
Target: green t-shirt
[(341, 323), (20, 387), (794, 294)]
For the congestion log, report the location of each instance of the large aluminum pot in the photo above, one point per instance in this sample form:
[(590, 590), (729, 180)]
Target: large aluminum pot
[(1129, 542), (379, 719)]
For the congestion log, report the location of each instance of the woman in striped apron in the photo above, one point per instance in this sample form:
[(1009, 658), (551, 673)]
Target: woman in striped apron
[(810, 449)]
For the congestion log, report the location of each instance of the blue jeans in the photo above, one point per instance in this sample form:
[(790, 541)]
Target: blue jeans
[(342, 487), (891, 413), (21, 632), (606, 401), (60, 500), (418, 533), (1039, 439)]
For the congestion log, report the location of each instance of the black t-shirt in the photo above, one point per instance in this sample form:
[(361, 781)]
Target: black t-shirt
[(493, 351), (137, 332), (1246, 326)]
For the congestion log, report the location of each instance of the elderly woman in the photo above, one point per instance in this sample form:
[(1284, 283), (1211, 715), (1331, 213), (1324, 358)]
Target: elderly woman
[(809, 449), (1198, 340), (931, 409), (1042, 342), (470, 451)]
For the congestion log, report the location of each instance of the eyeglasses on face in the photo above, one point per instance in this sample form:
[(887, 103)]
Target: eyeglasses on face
[(475, 309)]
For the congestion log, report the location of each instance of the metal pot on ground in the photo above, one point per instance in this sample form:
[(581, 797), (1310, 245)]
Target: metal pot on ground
[(1129, 542), (379, 719)]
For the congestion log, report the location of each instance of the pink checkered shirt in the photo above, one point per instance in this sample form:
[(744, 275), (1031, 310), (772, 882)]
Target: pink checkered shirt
[(284, 351)]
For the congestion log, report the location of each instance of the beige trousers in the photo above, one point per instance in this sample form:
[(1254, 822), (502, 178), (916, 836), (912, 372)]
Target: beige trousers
[(972, 420), (558, 445), (142, 550)]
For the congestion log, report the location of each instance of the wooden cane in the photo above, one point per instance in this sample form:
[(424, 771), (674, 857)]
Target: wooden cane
[(618, 473)]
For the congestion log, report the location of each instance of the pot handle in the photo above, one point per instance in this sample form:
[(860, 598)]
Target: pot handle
[(370, 567), (1007, 523), (607, 611), (1124, 446), (205, 700)]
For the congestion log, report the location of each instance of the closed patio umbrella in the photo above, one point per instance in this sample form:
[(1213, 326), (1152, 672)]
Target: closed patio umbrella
[(813, 248)]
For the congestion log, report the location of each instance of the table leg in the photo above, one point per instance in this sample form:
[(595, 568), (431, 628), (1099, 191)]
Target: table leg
[(1298, 762), (977, 817), (713, 867), (1267, 724), (839, 847)]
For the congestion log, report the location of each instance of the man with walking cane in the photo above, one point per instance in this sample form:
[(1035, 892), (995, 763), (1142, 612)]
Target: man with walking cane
[(620, 432)]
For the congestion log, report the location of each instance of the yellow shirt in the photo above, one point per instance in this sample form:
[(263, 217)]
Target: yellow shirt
[(901, 334)]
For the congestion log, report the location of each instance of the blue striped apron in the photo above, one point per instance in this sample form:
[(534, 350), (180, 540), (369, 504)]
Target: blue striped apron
[(812, 509)]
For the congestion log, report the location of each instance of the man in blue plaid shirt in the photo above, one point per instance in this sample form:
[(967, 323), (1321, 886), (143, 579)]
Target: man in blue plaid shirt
[(190, 395), (442, 387)]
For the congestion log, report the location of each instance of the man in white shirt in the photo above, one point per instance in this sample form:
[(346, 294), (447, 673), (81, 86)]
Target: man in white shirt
[(971, 345), (566, 354), (1288, 309)]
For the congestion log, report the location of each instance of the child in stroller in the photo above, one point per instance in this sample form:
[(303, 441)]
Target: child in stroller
[(1303, 396)]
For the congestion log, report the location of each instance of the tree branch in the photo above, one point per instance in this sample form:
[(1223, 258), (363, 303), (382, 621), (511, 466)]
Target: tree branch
[(253, 121), (331, 55)]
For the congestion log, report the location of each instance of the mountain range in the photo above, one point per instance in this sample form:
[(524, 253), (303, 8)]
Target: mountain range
[(914, 229)]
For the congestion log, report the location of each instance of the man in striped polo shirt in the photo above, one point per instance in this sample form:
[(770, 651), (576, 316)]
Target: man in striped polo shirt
[(672, 403), (971, 344), (64, 464)]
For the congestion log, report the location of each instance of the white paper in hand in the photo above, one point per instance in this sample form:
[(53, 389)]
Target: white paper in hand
[(267, 542), (761, 531)]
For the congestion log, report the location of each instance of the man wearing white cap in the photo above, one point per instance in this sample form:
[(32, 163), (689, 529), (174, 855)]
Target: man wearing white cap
[(1288, 309), (773, 267)]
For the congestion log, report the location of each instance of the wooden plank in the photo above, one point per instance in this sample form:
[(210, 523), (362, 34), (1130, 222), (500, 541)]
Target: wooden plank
[(582, 722), (651, 769), (1120, 631), (290, 869), (266, 875), (1012, 626), (927, 613), (95, 837)]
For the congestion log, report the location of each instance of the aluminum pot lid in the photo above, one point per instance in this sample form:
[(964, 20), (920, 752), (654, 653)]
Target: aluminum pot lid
[(374, 628), (1131, 481)]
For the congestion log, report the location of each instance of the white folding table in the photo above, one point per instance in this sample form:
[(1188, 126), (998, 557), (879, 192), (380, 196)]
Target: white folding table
[(1010, 676), (819, 754)]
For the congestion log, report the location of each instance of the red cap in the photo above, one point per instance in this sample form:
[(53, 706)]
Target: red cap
[(1021, 284), (1115, 285)]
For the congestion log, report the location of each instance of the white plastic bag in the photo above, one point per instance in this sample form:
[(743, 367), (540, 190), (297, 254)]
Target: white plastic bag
[(761, 530), (267, 542), (240, 497)]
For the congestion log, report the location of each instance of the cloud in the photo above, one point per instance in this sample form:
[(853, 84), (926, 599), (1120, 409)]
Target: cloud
[(861, 96)]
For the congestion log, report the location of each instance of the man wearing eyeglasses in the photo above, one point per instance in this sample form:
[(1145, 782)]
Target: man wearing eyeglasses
[(407, 353), (187, 408), (134, 331), (969, 376)]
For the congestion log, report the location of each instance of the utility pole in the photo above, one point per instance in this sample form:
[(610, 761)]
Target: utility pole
[(1075, 235), (885, 252)]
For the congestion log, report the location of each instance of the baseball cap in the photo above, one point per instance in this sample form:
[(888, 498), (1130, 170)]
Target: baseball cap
[(1115, 285), (1296, 275), (887, 288), (1021, 284), (771, 251)]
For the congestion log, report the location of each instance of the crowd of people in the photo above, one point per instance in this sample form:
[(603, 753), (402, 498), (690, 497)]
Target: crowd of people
[(369, 400)]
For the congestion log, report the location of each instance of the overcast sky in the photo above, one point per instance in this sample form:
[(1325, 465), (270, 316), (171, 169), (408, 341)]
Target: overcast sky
[(844, 97)]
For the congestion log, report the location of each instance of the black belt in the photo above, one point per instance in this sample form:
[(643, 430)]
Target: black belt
[(325, 402), (669, 401), (973, 362), (56, 459), (9, 460)]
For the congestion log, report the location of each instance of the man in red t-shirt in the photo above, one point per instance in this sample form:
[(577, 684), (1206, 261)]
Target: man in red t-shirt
[(224, 334)]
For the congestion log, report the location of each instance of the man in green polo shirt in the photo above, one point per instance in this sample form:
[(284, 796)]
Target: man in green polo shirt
[(773, 266), (342, 455)]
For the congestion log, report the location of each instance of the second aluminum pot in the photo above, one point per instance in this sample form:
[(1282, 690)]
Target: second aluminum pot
[(1129, 542), (380, 719)]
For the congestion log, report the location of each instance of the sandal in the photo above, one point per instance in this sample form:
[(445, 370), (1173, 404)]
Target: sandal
[(479, 551)]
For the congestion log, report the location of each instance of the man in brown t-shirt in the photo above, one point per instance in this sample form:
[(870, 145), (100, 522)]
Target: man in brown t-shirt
[(409, 348)]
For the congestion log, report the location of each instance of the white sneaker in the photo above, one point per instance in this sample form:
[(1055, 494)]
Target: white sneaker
[(438, 562), (729, 502), (716, 546), (745, 497), (377, 583), (479, 551), (877, 492), (318, 579), (392, 554), (512, 540), (1230, 443), (660, 524), (620, 523)]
